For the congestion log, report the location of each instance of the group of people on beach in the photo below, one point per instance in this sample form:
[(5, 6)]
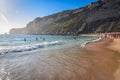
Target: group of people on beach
[(110, 35)]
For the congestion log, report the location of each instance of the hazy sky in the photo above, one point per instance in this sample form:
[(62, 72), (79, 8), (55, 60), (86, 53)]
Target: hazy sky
[(17, 13)]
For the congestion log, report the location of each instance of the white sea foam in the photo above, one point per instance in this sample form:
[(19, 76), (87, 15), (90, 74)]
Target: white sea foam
[(85, 43), (28, 47)]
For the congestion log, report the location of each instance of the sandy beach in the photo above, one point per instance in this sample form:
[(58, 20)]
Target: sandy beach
[(59, 40), (97, 61), (106, 59), (115, 45)]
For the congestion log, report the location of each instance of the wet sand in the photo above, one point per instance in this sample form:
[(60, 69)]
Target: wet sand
[(96, 61)]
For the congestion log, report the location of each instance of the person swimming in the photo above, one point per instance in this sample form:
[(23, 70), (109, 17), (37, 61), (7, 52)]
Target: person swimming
[(75, 37), (36, 39), (25, 39), (44, 39)]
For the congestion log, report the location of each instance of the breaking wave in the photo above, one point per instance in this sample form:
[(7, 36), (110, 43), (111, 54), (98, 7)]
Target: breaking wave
[(28, 47)]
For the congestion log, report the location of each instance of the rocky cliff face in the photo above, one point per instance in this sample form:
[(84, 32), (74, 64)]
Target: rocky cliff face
[(101, 16)]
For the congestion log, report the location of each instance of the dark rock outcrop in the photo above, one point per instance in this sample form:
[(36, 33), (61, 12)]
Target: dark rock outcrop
[(100, 16)]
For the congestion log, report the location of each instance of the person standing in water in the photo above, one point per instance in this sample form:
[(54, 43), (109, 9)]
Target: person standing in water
[(25, 39), (36, 39), (43, 39)]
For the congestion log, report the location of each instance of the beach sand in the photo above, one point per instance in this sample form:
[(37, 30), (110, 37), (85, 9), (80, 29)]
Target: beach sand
[(115, 45), (106, 59), (97, 61)]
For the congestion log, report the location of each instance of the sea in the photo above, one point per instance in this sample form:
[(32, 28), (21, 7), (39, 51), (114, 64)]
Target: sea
[(18, 50)]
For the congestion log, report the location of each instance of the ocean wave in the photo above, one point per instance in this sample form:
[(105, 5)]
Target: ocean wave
[(85, 43), (28, 47)]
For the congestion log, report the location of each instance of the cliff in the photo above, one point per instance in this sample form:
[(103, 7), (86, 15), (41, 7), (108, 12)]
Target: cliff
[(100, 16)]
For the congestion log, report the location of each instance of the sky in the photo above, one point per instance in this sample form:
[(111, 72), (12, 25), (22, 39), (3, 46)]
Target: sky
[(18, 13)]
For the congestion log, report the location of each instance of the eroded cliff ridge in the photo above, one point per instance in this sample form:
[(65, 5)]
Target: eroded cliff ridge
[(97, 17)]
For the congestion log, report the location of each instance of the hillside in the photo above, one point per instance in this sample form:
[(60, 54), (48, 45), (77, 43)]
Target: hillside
[(97, 17)]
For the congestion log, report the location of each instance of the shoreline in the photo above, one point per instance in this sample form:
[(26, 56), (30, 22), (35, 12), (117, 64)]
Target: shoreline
[(87, 42), (99, 60)]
